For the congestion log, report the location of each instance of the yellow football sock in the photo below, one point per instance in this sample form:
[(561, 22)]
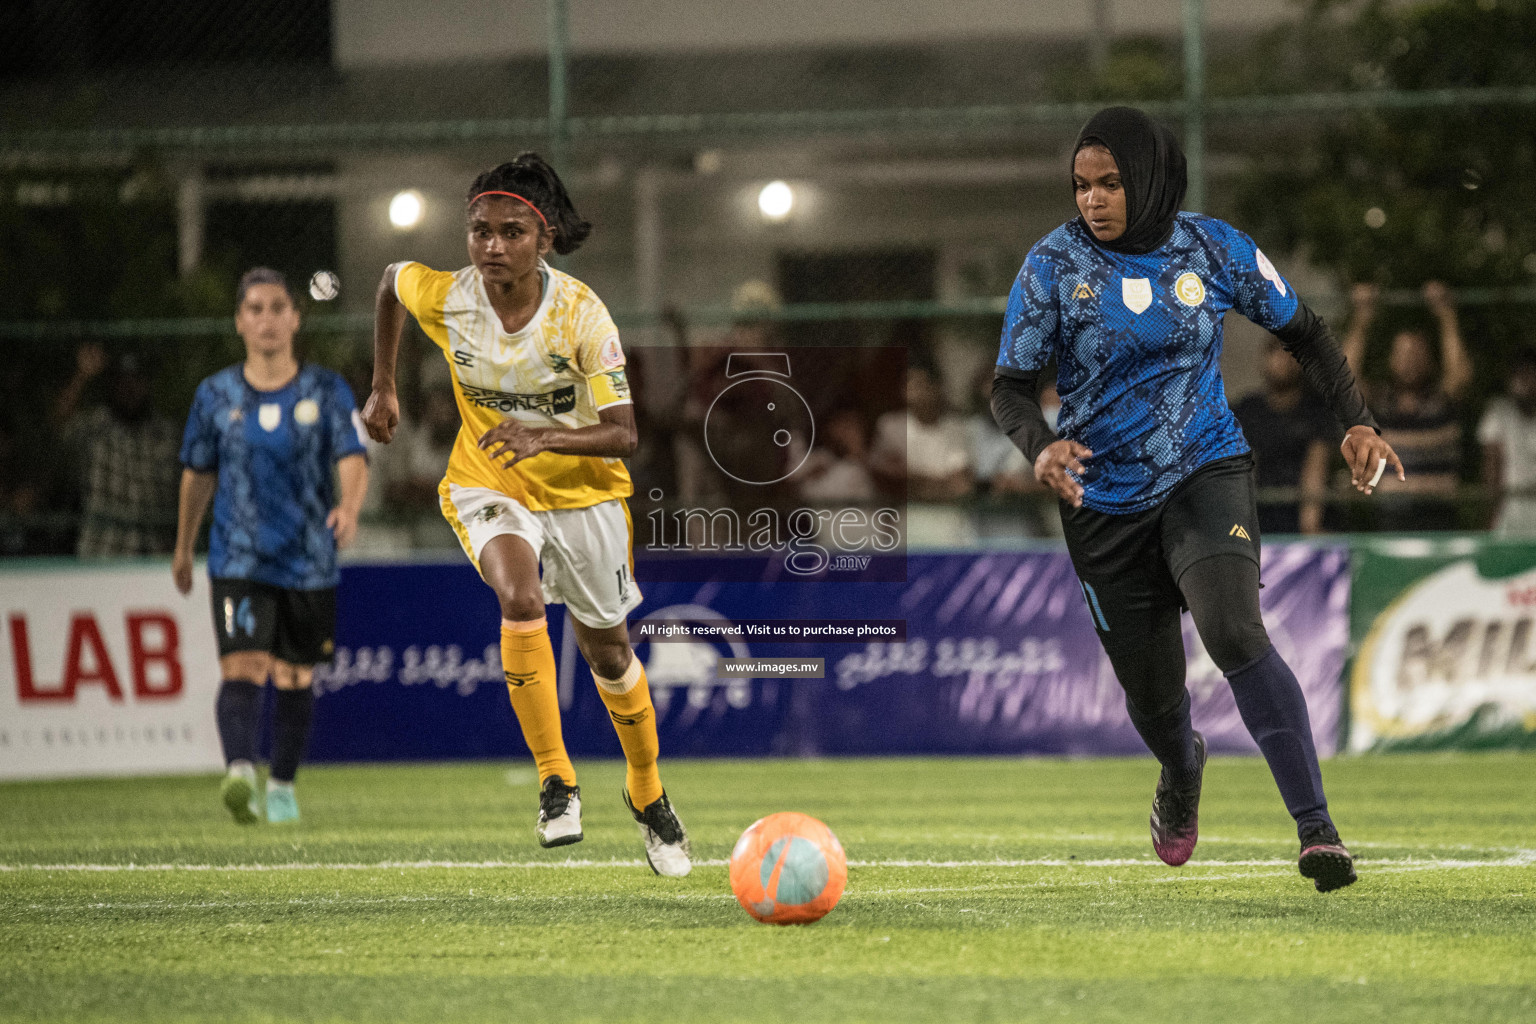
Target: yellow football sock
[(528, 660), (634, 719)]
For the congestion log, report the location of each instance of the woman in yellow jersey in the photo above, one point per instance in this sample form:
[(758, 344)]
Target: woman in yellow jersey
[(536, 478)]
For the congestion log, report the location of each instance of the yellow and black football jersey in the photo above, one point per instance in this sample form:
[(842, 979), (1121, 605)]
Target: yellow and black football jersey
[(559, 370)]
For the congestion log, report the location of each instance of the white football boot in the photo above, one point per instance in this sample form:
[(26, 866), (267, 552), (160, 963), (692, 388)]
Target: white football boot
[(559, 813), (666, 840)]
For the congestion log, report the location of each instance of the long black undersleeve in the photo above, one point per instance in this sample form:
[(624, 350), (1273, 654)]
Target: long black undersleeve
[(1309, 340), (1016, 408)]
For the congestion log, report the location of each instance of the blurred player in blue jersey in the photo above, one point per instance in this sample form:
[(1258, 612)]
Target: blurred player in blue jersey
[(261, 442), (1155, 478)]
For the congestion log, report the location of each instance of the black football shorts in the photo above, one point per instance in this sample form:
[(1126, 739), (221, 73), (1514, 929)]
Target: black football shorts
[(296, 626), (1212, 512)]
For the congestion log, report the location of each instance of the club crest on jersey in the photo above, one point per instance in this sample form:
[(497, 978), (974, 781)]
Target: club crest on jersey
[(1136, 293), (269, 416), (611, 355), (1082, 291), (1189, 288), (1268, 271), (307, 412)]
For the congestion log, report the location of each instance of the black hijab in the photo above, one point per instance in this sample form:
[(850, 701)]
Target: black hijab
[(1151, 168)]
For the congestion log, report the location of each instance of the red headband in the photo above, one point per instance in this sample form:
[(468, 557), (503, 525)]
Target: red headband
[(513, 195)]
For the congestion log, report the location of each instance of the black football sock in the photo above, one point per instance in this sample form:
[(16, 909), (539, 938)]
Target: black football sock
[(1171, 738), (291, 736), (238, 711), (1275, 711)]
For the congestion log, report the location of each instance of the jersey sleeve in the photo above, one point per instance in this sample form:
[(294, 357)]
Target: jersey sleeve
[(423, 291), (200, 441), (1258, 290), (1319, 422), (342, 423), (599, 356), (1032, 318)]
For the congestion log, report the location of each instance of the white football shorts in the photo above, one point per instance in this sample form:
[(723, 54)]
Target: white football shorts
[(584, 553)]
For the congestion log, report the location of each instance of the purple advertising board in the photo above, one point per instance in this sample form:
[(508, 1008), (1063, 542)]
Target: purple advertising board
[(999, 657)]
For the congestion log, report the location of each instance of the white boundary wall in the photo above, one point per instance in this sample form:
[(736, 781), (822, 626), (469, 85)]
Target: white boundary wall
[(105, 671), (395, 32)]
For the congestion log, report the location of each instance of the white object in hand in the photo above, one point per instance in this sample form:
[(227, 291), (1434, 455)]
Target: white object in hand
[(1381, 467)]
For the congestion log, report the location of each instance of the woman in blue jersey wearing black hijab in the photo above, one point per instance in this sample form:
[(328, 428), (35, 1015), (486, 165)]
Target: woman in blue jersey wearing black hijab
[(1155, 478)]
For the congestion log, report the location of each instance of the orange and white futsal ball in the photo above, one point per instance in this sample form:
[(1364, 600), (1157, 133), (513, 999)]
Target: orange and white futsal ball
[(788, 868)]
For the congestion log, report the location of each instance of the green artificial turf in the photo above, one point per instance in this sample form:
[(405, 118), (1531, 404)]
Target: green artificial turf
[(979, 890)]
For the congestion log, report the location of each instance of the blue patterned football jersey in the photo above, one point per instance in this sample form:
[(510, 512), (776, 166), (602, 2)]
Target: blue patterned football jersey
[(274, 452), (1137, 341)]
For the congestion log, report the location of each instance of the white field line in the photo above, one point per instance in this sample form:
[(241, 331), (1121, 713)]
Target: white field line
[(1359, 844), (1524, 858), (855, 894)]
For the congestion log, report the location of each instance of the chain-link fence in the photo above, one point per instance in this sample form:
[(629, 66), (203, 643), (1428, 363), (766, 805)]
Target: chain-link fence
[(837, 183)]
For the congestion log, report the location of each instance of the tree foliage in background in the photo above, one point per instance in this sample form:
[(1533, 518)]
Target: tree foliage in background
[(1402, 197)]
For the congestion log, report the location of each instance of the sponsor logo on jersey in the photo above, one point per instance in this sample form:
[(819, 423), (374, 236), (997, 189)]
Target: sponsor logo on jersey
[(611, 355), (1238, 531), (618, 382), (1268, 271), (307, 412), (1082, 291), (1189, 288), (548, 403), (239, 617), (558, 363), (269, 416), (1136, 293), (463, 358)]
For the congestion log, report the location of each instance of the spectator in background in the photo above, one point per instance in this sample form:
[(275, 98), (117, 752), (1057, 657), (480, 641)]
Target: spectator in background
[(999, 466), (410, 469), (1291, 433), (658, 379), (836, 470), (1416, 408), (1508, 436), (926, 442), (1001, 469), (34, 494), (21, 495), (124, 457), (402, 506)]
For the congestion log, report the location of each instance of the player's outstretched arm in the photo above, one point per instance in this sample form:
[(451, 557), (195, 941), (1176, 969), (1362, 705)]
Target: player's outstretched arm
[(1060, 467), (381, 414), (1368, 457), (614, 437), (353, 473), (1327, 369), (1057, 461), (196, 492)]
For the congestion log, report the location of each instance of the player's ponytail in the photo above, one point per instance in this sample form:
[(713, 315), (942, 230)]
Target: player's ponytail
[(529, 177)]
